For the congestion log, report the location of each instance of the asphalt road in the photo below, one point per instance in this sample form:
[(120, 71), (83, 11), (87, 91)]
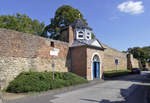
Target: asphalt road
[(138, 96), (128, 89)]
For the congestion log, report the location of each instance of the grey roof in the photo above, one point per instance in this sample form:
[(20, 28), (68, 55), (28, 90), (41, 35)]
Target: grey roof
[(80, 24), (83, 42)]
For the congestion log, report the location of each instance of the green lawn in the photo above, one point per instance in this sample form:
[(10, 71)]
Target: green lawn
[(115, 73), (42, 81)]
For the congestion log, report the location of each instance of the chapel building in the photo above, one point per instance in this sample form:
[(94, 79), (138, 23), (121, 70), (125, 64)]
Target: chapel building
[(86, 53)]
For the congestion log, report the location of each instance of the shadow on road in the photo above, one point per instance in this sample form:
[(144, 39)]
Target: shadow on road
[(103, 101), (128, 95)]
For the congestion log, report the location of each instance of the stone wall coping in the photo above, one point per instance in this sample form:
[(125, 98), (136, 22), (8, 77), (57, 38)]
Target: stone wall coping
[(106, 46), (115, 56)]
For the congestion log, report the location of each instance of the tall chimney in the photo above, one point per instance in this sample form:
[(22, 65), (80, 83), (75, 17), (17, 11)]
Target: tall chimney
[(71, 36), (67, 35)]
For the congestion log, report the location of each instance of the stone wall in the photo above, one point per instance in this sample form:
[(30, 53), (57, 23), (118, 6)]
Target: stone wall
[(132, 62), (110, 55), (1, 101), (22, 52), (135, 63)]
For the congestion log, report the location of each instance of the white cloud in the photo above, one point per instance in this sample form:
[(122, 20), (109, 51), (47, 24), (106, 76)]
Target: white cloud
[(131, 7)]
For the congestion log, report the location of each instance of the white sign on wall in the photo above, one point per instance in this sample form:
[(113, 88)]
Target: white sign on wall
[(54, 52)]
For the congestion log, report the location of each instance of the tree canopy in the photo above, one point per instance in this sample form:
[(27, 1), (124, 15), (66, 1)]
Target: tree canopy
[(21, 23), (64, 16)]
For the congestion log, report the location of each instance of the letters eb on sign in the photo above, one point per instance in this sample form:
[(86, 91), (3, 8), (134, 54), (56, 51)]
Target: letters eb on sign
[(54, 52)]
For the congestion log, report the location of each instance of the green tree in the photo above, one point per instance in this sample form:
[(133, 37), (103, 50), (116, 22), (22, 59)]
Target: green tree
[(93, 36), (64, 16), (21, 23)]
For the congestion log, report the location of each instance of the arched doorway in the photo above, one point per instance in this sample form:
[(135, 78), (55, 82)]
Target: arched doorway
[(96, 66)]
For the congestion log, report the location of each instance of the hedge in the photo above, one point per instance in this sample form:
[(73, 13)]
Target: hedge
[(42, 81), (116, 73)]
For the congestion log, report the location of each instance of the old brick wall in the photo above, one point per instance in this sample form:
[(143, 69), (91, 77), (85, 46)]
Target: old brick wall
[(110, 55), (21, 52), (78, 58)]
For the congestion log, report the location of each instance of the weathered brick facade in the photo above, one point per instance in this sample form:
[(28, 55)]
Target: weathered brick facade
[(79, 64)]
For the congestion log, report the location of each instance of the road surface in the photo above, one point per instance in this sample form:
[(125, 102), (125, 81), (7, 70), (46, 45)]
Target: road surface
[(127, 89)]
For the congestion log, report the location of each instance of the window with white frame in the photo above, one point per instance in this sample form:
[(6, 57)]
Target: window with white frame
[(80, 34), (88, 35)]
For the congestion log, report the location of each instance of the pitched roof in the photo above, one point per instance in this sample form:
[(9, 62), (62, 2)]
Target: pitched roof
[(83, 42), (80, 24)]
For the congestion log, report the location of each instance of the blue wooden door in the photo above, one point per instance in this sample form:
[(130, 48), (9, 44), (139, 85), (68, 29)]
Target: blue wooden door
[(97, 69)]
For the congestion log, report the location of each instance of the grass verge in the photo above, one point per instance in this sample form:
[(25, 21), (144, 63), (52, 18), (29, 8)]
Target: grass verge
[(116, 73), (42, 81)]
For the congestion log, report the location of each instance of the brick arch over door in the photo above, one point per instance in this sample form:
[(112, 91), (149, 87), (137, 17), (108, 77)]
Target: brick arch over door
[(100, 62)]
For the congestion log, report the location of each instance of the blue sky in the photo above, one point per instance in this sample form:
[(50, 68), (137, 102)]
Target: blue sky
[(118, 23)]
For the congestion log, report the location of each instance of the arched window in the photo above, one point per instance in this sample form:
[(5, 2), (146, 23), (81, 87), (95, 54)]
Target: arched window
[(88, 35), (80, 34), (96, 58)]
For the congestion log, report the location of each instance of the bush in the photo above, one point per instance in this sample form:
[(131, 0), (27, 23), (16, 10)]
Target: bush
[(42, 81), (116, 73)]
